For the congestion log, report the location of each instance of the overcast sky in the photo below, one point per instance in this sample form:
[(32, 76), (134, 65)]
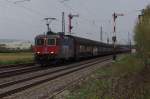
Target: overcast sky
[(24, 20)]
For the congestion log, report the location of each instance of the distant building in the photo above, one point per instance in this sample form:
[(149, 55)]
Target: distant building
[(16, 44), (2, 45)]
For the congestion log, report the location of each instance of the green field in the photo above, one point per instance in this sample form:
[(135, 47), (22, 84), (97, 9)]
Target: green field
[(14, 58)]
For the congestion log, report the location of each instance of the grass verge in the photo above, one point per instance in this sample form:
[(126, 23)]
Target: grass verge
[(126, 78), (15, 58)]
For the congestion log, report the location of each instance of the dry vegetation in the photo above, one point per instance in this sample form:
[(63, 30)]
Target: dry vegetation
[(124, 79), (142, 35), (12, 58)]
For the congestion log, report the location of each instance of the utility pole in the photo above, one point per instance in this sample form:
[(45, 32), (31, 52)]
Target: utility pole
[(70, 16), (63, 22), (101, 34), (48, 22), (114, 38), (107, 40), (129, 41)]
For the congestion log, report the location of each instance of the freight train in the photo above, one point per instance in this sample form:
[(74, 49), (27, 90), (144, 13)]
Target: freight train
[(54, 47)]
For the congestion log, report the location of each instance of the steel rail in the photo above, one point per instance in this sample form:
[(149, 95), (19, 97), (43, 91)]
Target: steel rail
[(28, 84), (43, 73), (15, 65)]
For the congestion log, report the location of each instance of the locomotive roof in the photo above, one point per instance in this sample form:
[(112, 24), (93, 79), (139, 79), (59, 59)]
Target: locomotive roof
[(88, 41), (43, 35), (77, 39)]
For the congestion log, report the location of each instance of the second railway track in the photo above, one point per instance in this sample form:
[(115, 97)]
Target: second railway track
[(10, 71), (19, 83), (2, 67)]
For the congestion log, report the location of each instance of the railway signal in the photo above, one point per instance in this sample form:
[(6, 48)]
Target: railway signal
[(114, 38), (71, 16)]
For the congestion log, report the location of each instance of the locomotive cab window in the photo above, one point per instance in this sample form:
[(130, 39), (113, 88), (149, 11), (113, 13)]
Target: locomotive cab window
[(39, 42), (51, 41)]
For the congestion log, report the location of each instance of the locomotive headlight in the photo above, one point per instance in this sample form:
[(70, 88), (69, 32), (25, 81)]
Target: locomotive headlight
[(38, 52), (52, 52)]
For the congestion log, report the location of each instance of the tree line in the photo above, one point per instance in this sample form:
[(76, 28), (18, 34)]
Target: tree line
[(142, 36)]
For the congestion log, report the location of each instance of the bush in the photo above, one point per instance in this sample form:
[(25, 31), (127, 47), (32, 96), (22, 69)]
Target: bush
[(142, 35)]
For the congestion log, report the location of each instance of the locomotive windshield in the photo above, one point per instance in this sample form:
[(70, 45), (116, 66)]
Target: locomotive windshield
[(51, 41), (39, 41)]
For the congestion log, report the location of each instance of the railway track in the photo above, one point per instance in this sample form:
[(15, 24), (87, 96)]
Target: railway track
[(25, 68), (15, 66), (7, 69), (17, 71), (12, 85)]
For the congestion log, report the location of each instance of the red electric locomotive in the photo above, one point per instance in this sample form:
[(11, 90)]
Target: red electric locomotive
[(55, 47), (52, 47)]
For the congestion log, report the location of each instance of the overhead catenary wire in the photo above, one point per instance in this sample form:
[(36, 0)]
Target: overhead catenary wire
[(20, 1), (92, 23), (13, 18), (62, 2), (28, 9), (32, 11)]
